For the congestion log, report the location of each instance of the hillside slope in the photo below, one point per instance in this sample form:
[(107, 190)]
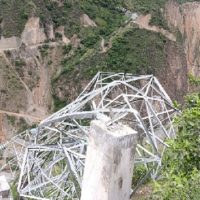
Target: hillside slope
[(50, 49)]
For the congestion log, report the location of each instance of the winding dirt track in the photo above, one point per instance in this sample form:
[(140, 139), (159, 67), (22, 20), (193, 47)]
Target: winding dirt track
[(24, 115), (143, 21)]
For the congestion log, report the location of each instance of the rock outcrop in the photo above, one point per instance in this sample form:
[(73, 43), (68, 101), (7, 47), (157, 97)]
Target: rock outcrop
[(75, 41), (50, 31), (33, 34), (86, 21)]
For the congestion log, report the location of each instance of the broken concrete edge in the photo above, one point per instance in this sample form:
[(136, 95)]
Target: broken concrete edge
[(116, 134)]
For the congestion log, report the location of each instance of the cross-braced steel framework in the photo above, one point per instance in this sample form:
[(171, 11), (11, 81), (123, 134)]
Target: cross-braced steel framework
[(50, 158)]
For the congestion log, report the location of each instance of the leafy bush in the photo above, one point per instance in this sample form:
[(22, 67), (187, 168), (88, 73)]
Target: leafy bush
[(193, 80), (14, 15), (178, 188), (58, 35), (11, 119), (14, 191), (139, 172), (90, 36), (58, 104), (19, 63), (67, 48), (193, 101), (181, 166)]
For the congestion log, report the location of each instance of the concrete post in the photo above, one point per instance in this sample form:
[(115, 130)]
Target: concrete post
[(109, 162), (4, 188)]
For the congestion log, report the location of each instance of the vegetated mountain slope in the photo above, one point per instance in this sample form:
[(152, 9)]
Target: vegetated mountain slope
[(52, 48)]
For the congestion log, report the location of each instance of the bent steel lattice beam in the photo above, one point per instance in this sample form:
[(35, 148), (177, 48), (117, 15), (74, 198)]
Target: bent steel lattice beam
[(51, 157)]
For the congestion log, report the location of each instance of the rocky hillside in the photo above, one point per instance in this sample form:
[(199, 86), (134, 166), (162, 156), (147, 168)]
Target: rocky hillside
[(49, 49)]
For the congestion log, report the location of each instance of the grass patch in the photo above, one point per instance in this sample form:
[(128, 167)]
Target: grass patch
[(22, 124), (67, 49), (14, 14), (11, 119), (58, 104), (14, 192), (193, 80)]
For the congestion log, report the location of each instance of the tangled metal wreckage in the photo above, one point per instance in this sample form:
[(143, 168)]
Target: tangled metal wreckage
[(48, 161)]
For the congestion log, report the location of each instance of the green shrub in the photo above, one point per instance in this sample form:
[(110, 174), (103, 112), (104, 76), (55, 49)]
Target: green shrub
[(50, 62), (11, 119), (193, 101), (58, 104), (90, 41), (193, 80), (22, 124), (178, 188), (20, 63), (58, 35), (67, 48), (181, 166), (14, 16), (14, 192), (139, 172)]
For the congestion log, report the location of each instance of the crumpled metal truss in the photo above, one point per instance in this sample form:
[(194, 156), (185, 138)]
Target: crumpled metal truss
[(48, 161)]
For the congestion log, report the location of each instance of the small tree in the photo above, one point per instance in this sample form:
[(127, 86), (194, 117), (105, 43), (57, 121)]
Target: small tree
[(181, 164)]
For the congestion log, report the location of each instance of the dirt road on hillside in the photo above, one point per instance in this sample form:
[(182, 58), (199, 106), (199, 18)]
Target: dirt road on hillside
[(24, 115)]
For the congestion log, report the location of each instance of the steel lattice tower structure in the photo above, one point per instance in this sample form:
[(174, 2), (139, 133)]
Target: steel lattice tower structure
[(48, 161)]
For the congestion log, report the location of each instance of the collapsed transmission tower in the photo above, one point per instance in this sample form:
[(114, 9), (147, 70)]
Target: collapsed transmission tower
[(48, 161)]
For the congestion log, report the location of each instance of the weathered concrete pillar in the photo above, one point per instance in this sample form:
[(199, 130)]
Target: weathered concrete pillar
[(109, 162), (4, 188)]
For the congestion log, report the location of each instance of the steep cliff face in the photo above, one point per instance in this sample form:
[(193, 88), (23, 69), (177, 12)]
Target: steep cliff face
[(175, 68), (186, 19), (174, 76)]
